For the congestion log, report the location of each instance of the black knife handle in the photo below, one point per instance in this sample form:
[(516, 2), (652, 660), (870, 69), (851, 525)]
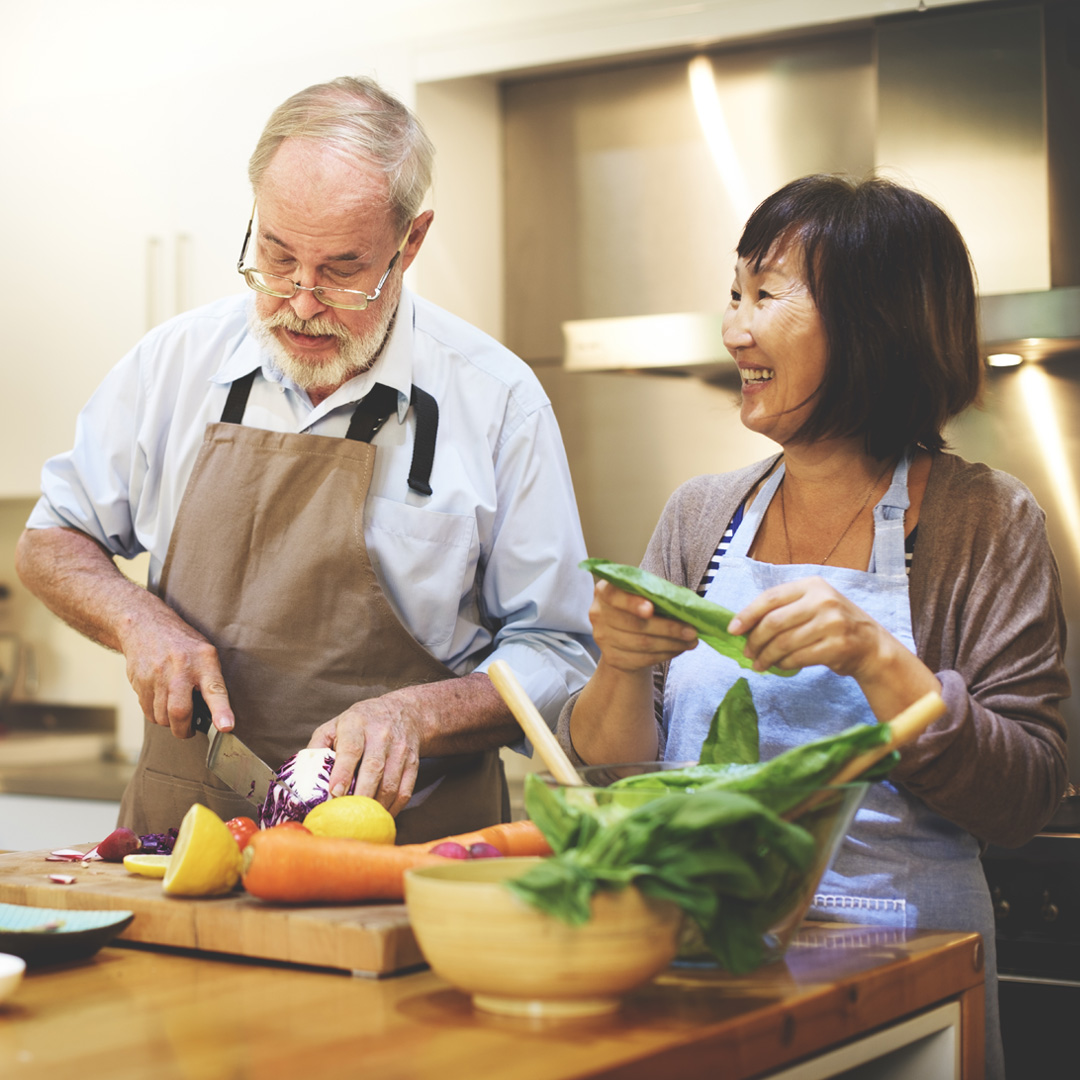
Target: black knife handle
[(200, 712)]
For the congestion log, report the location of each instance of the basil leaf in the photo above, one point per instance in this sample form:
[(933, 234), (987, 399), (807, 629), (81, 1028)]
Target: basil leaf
[(677, 602)]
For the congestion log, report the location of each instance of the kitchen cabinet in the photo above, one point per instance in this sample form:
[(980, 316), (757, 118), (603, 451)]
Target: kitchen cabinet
[(896, 1005)]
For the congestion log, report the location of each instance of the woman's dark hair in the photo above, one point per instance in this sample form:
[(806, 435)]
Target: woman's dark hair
[(892, 280)]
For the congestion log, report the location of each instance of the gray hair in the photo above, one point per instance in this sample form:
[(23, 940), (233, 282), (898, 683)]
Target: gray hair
[(358, 117)]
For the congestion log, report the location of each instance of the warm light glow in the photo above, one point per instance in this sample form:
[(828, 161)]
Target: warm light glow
[(1004, 359), (1035, 388), (717, 134)]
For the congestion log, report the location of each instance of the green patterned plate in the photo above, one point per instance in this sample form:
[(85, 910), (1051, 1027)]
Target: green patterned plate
[(55, 936)]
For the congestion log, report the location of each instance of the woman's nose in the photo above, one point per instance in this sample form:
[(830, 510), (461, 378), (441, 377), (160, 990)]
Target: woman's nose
[(735, 329)]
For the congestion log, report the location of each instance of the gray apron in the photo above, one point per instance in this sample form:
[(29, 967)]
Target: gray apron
[(901, 864), (267, 560)]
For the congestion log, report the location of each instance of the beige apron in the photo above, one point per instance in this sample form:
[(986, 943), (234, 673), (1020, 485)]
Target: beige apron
[(267, 560)]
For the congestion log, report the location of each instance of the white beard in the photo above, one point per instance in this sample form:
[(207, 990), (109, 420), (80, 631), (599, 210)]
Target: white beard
[(355, 352)]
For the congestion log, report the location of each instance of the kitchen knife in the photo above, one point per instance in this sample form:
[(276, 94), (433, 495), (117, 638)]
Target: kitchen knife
[(231, 761)]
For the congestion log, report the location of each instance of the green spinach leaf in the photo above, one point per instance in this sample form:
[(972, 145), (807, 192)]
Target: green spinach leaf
[(677, 602), (733, 733)]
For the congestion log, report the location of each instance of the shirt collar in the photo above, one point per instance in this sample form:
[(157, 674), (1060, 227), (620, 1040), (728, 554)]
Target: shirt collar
[(393, 367)]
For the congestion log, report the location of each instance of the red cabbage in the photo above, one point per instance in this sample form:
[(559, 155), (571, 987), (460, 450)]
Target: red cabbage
[(307, 778)]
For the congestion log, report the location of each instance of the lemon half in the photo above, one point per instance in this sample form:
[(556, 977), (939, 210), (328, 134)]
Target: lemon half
[(355, 817), (206, 858), (147, 865)]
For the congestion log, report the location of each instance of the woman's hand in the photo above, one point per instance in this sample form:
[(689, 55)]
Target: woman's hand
[(630, 636), (808, 622)]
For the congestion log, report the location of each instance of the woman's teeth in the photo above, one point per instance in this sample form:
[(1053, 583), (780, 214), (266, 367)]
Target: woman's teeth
[(755, 375)]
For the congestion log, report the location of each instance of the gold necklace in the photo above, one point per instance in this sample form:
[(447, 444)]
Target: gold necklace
[(847, 528)]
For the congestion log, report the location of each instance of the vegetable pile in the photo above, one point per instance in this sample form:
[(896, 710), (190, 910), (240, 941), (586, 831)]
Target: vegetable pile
[(726, 855)]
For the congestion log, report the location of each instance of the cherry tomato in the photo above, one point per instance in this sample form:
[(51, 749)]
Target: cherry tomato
[(291, 825), (242, 828)]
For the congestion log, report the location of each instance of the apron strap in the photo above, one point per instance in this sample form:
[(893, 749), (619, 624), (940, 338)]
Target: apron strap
[(427, 427), (370, 415), (236, 403)]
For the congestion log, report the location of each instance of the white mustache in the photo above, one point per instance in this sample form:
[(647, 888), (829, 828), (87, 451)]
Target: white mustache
[(316, 327)]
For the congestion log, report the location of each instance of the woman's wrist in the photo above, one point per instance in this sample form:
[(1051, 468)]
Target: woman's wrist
[(893, 677), (613, 717)]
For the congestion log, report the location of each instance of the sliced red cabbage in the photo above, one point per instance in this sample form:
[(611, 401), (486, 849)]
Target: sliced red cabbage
[(158, 843), (307, 774)]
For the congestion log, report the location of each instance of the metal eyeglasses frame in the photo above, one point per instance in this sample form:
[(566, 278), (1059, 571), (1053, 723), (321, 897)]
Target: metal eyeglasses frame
[(318, 291)]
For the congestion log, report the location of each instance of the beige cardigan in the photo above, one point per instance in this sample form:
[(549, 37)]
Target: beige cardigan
[(987, 618)]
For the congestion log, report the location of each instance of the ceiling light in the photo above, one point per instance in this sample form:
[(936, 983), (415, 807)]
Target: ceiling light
[(1004, 359)]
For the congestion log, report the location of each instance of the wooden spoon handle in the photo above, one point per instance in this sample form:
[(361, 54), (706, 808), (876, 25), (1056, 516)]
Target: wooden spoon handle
[(905, 727), (533, 724)]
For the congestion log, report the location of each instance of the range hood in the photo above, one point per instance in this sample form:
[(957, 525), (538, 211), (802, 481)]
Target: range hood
[(1041, 325), (980, 111)]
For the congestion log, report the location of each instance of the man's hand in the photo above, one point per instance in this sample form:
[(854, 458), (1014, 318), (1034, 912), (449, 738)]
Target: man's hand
[(386, 736), (382, 736), (166, 661)]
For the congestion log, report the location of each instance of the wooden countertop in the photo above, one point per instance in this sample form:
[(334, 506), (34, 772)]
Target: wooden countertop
[(133, 1012)]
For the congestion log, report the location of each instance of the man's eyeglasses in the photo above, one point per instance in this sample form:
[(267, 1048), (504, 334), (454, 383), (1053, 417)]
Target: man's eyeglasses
[(276, 285)]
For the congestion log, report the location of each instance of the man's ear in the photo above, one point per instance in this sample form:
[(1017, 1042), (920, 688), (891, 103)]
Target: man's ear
[(417, 231)]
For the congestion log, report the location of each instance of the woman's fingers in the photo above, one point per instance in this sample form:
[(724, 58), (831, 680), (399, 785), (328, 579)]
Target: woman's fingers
[(806, 622), (630, 636)]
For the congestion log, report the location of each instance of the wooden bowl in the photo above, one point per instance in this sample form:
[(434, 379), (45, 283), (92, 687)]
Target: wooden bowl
[(516, 960)]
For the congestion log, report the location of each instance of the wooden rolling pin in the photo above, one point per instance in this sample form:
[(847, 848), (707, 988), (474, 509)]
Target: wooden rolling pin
[(533, 724)]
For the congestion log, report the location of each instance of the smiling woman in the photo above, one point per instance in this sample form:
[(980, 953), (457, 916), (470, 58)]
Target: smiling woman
[(775, 334), (865, 557)]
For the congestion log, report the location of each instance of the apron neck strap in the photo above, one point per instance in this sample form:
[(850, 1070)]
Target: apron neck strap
[(370, 414)]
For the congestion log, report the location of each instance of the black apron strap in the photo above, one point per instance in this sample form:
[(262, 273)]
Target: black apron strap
[(236, 403), (377, 407), (427, 427), (372, 412)]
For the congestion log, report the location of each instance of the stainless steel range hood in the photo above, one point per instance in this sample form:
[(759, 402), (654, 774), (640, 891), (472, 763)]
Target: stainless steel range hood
[(1042, 325), (980, 110)]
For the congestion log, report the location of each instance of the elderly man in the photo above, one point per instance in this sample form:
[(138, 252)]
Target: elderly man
[(352, 502)]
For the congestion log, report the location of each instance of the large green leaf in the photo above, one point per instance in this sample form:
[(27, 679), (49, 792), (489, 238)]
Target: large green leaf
[(677, 602), (733, 733)]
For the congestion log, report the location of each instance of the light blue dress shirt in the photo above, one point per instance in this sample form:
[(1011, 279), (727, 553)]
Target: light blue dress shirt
[(485, 567)]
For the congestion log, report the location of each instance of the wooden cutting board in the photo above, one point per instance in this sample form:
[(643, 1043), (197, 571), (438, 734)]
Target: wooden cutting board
[(366, 939)]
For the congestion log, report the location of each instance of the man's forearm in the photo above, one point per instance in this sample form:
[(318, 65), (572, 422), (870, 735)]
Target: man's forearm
[(460, 716), (77, 580)]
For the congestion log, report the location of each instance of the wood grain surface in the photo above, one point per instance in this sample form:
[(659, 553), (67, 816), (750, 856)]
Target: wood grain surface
[(132, 1013), (372, 939)]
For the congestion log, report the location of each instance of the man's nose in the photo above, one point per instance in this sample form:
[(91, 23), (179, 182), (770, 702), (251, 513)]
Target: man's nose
[(306, 305)]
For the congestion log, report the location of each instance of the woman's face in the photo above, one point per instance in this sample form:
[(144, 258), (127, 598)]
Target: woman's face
[(773, 330)]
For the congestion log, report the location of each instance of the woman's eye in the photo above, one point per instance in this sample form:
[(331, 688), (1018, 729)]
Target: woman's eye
[(735, 297), (763, 295)]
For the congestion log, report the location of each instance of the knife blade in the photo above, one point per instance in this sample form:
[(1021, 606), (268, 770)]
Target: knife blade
[(231, 760)]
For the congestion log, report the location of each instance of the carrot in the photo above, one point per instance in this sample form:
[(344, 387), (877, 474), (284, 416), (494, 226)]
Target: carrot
[(512, 838), (292, 866)]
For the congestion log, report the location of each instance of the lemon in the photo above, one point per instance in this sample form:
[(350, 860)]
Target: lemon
[(206, 858), (147, 865), (353, 816)]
